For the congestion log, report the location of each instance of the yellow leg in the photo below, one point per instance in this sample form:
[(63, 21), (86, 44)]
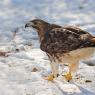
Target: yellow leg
[(54, 67), (68, 76), (72, 69), (49, 78)]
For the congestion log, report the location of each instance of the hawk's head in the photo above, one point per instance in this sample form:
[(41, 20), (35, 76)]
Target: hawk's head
[(41, 26), (37, 24)]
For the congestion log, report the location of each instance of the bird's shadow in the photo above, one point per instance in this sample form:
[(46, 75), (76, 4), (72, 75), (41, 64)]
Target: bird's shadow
[(83, 91)]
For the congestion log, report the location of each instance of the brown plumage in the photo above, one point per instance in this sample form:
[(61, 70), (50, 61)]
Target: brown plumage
[(63, 44)]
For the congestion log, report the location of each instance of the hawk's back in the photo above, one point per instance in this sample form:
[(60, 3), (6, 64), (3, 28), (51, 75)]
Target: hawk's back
[(63, 40)]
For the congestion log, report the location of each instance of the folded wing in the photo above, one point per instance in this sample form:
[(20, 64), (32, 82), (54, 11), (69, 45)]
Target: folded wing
[(63, 40)]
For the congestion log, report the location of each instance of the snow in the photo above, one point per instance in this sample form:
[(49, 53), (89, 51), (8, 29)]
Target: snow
[(18, 75)]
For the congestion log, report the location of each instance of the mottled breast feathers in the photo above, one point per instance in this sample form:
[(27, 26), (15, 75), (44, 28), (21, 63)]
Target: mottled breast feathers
[(63, 40)]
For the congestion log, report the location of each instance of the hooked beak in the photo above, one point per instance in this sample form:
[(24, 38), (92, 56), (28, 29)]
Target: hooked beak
[(29, 24), (26, 25)]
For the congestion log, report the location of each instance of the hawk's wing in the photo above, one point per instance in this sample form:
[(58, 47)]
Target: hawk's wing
[(76, 30), (61, 40)]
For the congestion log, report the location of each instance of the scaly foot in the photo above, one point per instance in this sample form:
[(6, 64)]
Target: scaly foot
[(49, 78), (68, 76)]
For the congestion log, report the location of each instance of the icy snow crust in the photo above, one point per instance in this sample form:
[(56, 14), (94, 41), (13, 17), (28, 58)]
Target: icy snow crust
[(22, 71)]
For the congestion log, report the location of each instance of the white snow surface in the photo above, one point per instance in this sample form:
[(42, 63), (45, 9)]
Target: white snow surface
[(16, 70)]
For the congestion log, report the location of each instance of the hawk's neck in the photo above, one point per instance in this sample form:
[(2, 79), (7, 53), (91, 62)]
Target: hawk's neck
[(45, 29), (41, 34), (42, 31)]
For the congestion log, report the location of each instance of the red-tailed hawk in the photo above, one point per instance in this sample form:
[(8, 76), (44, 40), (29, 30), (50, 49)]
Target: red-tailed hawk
[(63, 45)]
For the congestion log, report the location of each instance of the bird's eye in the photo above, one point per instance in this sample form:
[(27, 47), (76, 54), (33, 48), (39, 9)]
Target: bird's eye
[(35, 22)]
